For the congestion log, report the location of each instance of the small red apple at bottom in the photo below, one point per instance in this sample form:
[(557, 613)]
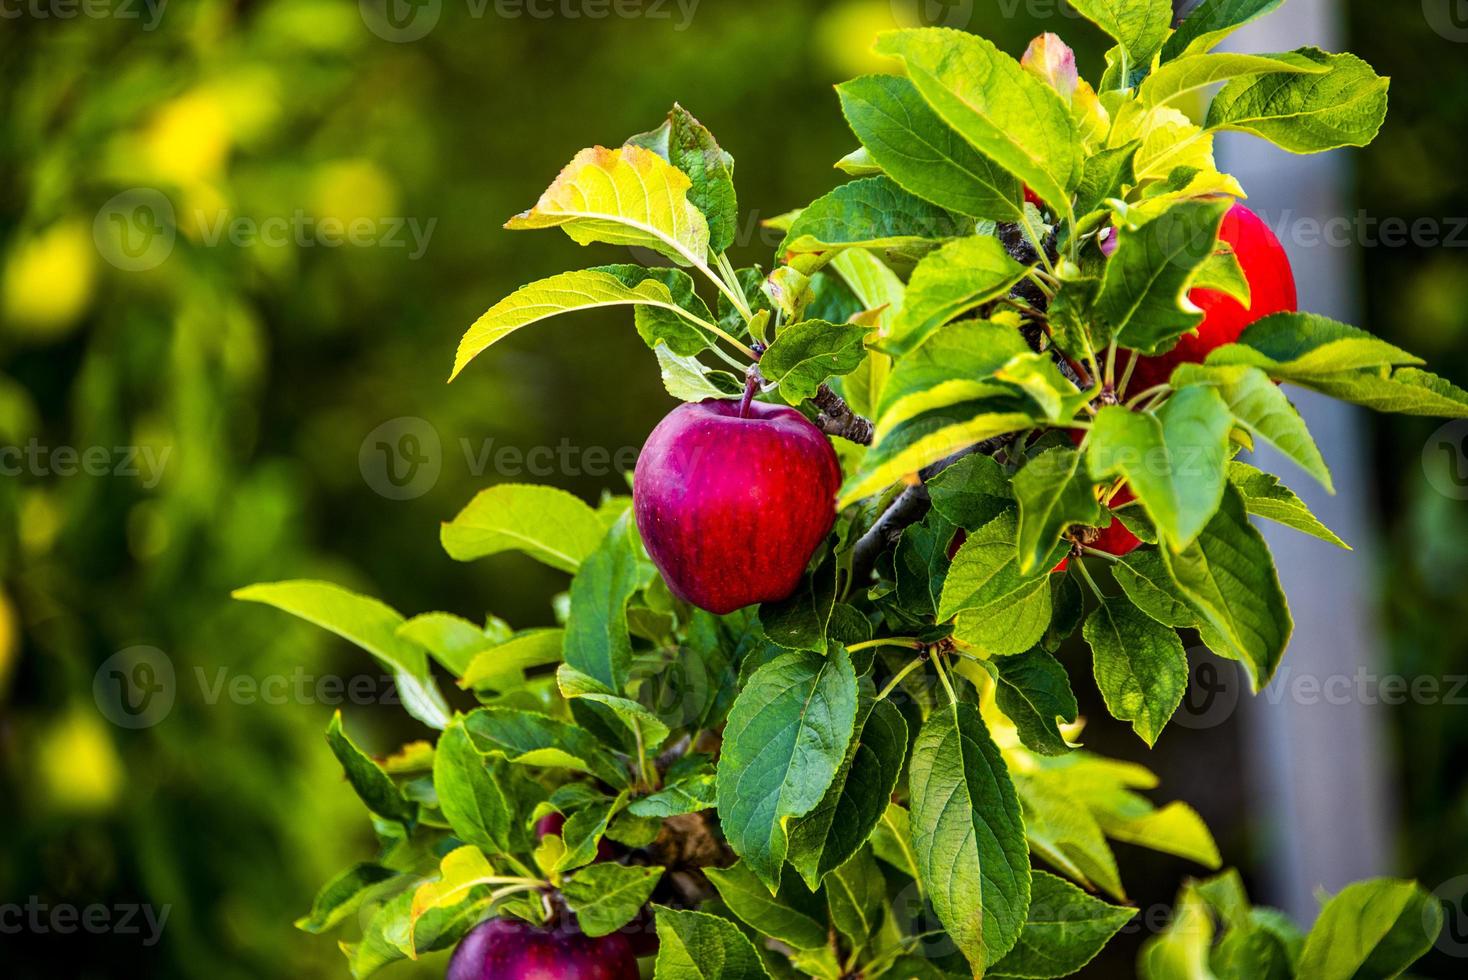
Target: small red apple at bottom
[(509, 949), (732, 506), (1271, 288)]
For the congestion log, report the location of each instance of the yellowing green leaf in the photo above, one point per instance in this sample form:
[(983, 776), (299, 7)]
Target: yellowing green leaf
[(627, 196)]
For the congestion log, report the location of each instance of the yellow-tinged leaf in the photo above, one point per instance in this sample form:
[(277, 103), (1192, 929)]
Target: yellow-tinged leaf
[(627, 196), (460, 872), (563, 293), (880, 471)]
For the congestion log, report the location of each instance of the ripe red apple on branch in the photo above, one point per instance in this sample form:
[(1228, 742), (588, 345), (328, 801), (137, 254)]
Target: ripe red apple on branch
[(732, 499), (510, 949), (1272, 290)]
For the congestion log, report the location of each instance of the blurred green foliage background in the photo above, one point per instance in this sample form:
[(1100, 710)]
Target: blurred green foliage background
[(255, 373)]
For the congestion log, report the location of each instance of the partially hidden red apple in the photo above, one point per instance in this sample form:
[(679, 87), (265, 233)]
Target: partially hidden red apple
[(732, 506), (1271, 286), (510, 949)]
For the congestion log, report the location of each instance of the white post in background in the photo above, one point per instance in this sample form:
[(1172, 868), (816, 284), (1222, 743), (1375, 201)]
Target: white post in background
[(1319, 775)]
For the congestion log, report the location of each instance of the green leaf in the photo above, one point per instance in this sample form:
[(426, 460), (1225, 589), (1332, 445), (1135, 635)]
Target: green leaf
[(927, 439), (892, 841), (1259, 406), (392, 934), (1064, 930), (801, 622), (1264, 496), (627, 196), (687, 793), (373, 786), (805, 354), (597, 643), (1212, 21), (688, 145), (959, 277), (1054, 493), (1181, 78), (1033, 691), (567, 292), (688, 380), (1106, 173), (1406, 391), (964, 353), (451, 640), (842, 822), (1143, 299), (1228, 578), (531, 739), (856, 894), (1344, 105), (1063, 832), (912, 144), (1373, 928), (1056, 398), (1302, 346), (1180, 952), (790, 915), (698, 946), (369, 624), (1004, 630), (1144, 578), (1173, 459), (1222, 273), (584, 831), (1173, 829), (547, 524), (469, 794), (873, 212), (985, 575), (968, 836), (502, 667), (1140, 26), (1141, 668), (683, 329), (343, 895), (786, 738), (1003, 111), (920, 564), (605, 897), (971, 492)]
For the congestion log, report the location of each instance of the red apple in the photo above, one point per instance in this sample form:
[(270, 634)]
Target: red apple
[(1272, 290), (731, 506), (509, 949)]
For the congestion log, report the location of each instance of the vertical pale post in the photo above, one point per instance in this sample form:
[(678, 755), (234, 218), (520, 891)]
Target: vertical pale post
[(1319, 774)]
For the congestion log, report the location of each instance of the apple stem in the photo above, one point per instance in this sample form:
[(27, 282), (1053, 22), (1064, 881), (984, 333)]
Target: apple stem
[(752, 381)]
